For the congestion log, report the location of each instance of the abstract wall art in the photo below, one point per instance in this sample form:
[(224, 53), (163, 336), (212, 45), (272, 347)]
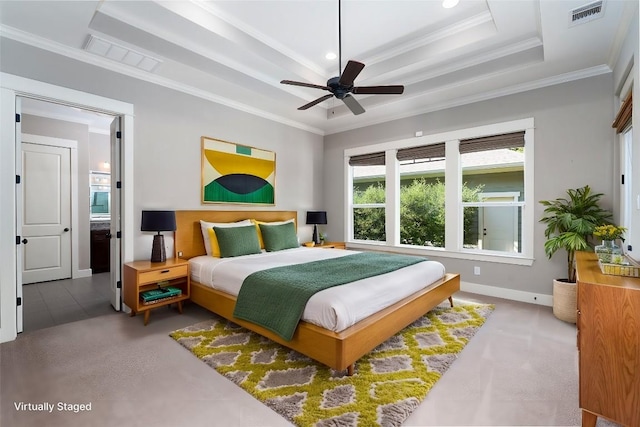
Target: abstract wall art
[(234, 173)]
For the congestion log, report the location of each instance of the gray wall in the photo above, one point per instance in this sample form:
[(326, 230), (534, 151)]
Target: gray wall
[(78, 132), (573, 147), (167, 130)]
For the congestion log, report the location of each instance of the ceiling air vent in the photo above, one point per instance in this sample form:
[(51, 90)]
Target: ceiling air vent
[(121, 54), (586, 13)]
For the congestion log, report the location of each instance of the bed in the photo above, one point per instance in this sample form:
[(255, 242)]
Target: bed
[(336, 349)]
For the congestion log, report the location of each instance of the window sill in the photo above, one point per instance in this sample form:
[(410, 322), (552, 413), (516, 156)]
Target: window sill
[(442, 253)]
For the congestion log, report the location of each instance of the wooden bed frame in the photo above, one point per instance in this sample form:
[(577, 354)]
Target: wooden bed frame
[(338, 350)]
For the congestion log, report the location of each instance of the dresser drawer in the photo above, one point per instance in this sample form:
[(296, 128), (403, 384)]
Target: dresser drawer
[(164, 274)]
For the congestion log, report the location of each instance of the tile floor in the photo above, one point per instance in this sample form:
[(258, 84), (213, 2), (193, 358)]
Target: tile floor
[(53, 303)]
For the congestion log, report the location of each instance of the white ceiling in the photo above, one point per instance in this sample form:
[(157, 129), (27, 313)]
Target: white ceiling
[(237, 52)]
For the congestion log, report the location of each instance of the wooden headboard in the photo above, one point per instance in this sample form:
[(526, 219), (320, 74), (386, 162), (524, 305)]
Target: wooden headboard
[(188, 241)]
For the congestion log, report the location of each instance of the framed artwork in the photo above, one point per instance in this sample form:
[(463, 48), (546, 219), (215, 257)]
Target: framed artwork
[(234, 173)]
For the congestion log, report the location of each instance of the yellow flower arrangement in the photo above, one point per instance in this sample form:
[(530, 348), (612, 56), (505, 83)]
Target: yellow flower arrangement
[(609, 232)]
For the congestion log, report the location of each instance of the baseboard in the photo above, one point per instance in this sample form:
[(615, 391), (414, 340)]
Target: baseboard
[(511, 294), (82, 273)]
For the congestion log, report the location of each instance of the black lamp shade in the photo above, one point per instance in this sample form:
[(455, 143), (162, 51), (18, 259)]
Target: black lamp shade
[(316, 217), (158, 221)]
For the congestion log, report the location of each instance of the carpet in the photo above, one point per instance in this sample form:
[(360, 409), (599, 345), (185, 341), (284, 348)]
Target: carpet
[(388, 384)]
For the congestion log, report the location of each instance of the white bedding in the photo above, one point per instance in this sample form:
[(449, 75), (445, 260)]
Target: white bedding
[(335, 308)]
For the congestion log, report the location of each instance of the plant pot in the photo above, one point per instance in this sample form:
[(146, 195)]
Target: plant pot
[(565, 303)]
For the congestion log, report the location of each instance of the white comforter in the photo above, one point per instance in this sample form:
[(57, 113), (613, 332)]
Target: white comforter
[(335, 308)]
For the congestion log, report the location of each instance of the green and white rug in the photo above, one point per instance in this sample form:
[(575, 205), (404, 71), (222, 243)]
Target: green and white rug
[(388, 384)]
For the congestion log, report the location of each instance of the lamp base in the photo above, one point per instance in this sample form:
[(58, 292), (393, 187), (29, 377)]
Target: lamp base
[(316, 237), (158, 253)]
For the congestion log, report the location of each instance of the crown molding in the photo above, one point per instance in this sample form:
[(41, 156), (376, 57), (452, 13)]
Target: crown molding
[(80, 55)]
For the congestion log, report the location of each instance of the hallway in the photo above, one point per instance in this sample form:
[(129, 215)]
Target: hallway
[(53, 303)]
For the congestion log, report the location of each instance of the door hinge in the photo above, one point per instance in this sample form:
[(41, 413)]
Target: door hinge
[(622, 179), (118, 184), (17, 240), (17, 118), (17, 179), (118, 234), (118, 134), (119, 284), (19, 301)]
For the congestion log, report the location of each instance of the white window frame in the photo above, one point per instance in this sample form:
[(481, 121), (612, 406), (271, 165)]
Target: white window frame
[(453, 199)]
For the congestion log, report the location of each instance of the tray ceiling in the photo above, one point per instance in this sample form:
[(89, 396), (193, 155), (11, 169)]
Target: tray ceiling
[(236, 52)]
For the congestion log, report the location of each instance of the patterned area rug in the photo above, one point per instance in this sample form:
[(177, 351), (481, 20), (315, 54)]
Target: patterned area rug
[(388, 384)]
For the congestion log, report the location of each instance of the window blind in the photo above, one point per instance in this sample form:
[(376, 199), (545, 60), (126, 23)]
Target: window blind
[(369, 159), (623, 118), (422, 152), (492, 142)]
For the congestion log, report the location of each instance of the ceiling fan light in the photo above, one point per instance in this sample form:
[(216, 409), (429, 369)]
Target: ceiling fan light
[(331, 56), (448, 4)]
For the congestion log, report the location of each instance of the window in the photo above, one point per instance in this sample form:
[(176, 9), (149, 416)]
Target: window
[(493, 192), (461, 193), (422, 208), (368, 197)]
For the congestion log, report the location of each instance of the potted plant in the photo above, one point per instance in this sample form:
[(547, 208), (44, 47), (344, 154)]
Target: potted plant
[(570, 221)]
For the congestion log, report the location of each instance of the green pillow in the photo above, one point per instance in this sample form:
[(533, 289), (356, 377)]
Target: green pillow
[(236, 241), (278, 237)]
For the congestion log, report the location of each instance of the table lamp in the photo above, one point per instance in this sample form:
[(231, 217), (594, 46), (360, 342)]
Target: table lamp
[(158, 221), (315, 218)]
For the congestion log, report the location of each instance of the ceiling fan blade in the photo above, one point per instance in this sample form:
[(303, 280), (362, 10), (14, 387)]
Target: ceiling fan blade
[(378, 90), (353, 105), (350, 73), (317, 101), (291, 82)]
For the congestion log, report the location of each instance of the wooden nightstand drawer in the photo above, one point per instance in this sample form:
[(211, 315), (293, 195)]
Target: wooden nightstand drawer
[(164, 274)]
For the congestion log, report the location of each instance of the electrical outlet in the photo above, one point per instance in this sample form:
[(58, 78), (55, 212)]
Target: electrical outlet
[(476, 270)]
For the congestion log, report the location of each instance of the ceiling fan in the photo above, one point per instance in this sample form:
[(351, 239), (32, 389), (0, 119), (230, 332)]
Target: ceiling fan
[(342, 86)]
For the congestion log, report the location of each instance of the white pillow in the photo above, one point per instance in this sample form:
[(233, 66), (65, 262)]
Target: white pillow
[(205, 226)]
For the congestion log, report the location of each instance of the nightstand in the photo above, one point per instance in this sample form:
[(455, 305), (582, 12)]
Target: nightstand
[(332, 245), (141, 276)]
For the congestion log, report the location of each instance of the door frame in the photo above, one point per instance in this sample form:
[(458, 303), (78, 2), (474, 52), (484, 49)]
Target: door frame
[(12, 87), (76, 273)]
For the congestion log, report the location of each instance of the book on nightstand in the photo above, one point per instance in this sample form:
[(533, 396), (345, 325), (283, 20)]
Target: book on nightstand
[(155, 295)]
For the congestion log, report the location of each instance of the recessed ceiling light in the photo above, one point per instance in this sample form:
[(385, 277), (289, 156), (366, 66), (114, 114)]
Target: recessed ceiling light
[(331, 56), (448, 4)]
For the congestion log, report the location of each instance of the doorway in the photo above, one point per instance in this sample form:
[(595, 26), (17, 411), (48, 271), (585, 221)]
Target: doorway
[(12, 89), (57, 192)]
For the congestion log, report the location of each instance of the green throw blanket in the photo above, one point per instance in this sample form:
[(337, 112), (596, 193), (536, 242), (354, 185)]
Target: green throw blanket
[(275, 298)]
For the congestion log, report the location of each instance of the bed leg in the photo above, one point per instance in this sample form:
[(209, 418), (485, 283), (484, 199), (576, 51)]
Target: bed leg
[(451, 300), (351, 369)]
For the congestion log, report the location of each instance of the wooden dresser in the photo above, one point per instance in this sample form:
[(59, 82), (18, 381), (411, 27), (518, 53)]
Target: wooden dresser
[(608, 344)]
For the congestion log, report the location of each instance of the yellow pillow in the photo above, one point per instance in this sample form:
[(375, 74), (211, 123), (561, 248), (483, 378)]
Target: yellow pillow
[(257, 224), (213, 243)]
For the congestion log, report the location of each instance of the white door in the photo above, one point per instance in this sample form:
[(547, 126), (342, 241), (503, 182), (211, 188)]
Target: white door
[(499, 224), (46, 213), (115, 246)]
